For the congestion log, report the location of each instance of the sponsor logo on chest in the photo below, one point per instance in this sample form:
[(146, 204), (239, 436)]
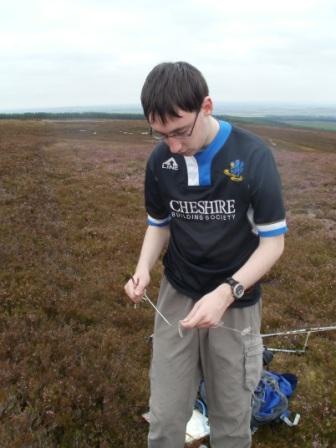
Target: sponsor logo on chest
[(170, 164), (217, 210)]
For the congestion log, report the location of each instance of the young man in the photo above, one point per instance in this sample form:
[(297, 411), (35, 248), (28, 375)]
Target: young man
[(213, 195)]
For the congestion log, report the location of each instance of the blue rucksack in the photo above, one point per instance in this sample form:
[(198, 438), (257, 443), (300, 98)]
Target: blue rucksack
[(269, 401)]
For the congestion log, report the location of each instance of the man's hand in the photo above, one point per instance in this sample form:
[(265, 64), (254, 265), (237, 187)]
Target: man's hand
[(136, 285), (208, 311)]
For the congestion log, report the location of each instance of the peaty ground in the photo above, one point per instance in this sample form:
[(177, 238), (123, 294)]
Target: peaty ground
[(74, 353)]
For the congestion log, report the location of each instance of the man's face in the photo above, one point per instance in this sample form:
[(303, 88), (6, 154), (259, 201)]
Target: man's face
[(184, 135)]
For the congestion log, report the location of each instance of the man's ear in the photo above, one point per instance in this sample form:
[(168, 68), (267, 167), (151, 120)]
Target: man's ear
[(207, 105)]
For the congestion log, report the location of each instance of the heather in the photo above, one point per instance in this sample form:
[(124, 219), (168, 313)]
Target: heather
[(74, 353)]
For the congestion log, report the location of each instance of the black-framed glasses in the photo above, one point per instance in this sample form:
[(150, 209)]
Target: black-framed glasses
[(177, 134)]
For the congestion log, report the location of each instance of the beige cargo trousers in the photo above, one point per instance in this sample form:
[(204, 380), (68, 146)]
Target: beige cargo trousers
[(229, 362)]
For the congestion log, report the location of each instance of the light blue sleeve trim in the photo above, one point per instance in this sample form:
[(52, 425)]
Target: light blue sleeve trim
[(275, 232), (163, 223)]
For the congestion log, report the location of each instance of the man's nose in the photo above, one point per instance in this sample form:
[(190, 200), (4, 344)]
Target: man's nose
[(174, 144)]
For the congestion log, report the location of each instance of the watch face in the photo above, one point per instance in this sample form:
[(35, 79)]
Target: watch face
[(238, 291)]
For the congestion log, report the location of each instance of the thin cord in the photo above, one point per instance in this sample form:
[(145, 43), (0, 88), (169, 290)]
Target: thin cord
[(244, 332)]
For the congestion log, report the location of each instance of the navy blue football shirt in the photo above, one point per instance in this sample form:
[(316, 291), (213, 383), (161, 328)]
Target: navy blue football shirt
[(218, 203)]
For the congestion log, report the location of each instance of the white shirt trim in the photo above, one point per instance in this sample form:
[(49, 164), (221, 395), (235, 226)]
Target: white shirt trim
[(192, 170)]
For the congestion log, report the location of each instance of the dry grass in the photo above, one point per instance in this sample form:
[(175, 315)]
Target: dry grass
[(74, 353)]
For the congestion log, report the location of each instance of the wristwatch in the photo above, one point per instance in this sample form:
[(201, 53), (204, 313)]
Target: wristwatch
[(236, 288)]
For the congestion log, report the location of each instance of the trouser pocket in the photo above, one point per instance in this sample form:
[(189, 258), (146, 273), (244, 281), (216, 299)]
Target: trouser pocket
[(253, 350)]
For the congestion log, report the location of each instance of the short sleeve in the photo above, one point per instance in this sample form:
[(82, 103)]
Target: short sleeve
[(267, 212), (157, 213)]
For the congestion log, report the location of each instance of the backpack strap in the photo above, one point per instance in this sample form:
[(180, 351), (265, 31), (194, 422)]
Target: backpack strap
[(293, 422)]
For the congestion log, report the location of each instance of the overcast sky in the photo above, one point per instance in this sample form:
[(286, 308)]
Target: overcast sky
[(98, 52)]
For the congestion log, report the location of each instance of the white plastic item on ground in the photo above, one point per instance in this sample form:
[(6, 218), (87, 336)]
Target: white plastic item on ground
[(197, 427)]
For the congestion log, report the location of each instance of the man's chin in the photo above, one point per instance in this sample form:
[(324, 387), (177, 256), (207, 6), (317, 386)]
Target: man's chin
[(186, 152), (189, 152)]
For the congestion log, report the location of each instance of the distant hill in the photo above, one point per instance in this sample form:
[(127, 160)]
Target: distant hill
[(221, 108), (311, 116)]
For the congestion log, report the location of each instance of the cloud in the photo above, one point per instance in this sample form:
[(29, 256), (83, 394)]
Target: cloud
[(104, 49)]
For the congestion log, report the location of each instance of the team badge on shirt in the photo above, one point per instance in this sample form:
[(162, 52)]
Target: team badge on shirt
[(235, 171)]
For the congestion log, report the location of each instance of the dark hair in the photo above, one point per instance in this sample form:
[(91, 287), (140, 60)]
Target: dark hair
[(171, 86)]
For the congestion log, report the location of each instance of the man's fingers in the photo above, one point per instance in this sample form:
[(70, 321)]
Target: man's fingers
[(194, 318), (135, 281), (139, 291), (191, 314), (134, 290), (139, 283), (198, 317)]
